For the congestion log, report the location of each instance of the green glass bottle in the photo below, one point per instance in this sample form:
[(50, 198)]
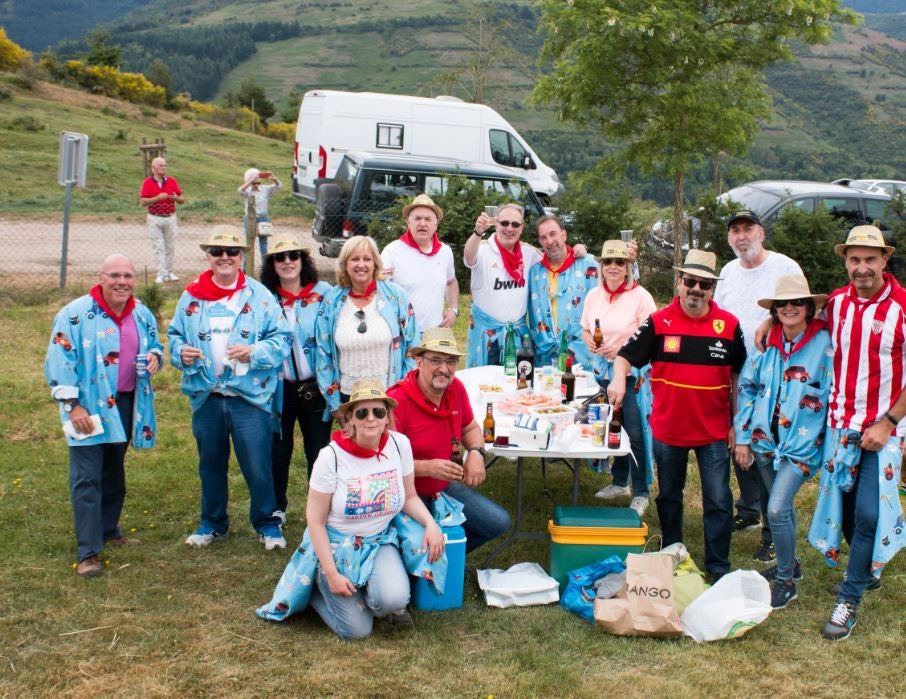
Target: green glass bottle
[(564, 352), (509, 351)]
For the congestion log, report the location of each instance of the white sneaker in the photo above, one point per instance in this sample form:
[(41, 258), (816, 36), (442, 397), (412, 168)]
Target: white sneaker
[(281, 515), (613, 491), (272, 542), (161, 278), (639, 504), (199, 540), (172, 277)]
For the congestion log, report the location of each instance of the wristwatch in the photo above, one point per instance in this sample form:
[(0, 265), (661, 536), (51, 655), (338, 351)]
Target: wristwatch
[(480, 450), (69, 404)]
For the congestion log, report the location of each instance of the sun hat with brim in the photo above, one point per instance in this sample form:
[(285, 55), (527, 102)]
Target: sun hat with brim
[(790, 287), (225, 237), (700, 264), (367, 389), (252, 174), (614, 250), (440, 340), (864, 237), (744, 215), (284, 243), (426, 201)]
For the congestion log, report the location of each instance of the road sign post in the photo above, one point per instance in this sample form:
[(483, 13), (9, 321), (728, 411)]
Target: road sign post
[(72, 171)]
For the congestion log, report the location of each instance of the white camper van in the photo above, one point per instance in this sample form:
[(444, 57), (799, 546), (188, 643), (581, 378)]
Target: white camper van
[(333, 122)]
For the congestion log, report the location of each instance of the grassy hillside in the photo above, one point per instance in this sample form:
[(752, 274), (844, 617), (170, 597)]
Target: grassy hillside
[(207, 160)]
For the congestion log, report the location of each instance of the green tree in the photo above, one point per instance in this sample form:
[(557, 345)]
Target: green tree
[(159, 74), (253, 96), (101, 52), (673, 82)]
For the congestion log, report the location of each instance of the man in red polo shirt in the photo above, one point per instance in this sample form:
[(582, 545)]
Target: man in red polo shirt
[(696, 350), (160, 194), (433, 410)]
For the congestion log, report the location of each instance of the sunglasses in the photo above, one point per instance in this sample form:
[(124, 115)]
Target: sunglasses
[(363, 327), (292, 255), (703, 284), (509, 224), (618, 261), (218, 252), (362, 413), (798, 303)]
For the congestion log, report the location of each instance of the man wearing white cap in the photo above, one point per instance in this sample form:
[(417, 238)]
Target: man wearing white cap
[(858, 493), (423, 265), (229, 340), (743, 282), (696, 352)]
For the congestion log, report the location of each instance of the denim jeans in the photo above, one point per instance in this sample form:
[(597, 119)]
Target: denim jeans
[(631, 465), (217, 420), (779, 490), (386, 591), (97, 486), (860, 507), (717, 500), (315, 436), (485, 519)]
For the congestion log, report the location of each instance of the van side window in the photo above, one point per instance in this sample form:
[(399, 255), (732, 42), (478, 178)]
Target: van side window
[(847, 209), (875, 209), (389, 136)]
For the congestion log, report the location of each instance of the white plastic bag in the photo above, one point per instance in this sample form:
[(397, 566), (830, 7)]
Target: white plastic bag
[(736, 603), (522, 585)]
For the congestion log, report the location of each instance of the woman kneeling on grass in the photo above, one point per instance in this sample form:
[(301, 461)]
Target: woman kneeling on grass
[(361, 507), (781, 418)]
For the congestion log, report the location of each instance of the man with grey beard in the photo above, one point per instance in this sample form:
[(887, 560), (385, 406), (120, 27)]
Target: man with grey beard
[(743, 281)]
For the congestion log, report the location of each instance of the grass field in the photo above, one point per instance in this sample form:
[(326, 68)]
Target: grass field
[(168, 621)]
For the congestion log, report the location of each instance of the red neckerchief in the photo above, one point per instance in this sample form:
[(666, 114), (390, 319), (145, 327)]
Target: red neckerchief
[(409, 240), (567, 263), (368, 292), (350, 447), (290, 298), (204, 288), (409, 386), (117, 318), (776, 339), (621, 289), (512, 261)]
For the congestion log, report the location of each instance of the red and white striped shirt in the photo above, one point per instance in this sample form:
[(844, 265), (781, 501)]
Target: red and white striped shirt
[(869, 360)]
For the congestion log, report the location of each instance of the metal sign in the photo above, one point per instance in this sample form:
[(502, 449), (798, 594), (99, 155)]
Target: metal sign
[(73, 159)]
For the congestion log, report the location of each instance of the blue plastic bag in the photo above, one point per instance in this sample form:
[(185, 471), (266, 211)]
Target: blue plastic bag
[(580, 593)]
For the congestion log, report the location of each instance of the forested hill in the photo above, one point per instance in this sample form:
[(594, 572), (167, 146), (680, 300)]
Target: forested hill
[(841, 108)]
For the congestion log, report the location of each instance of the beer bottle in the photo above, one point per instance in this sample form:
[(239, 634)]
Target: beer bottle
[(455, 453), (597, 336), (568, 382), (525, 362), (509, 352), (521, 382), (488, 425), (563, 353), (616, 424)]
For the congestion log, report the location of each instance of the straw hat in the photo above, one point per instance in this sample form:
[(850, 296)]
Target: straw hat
[(284, 243), (226, 237), (424, 200), (440, 340), (252, 174), (700, 264), (614, 249), (792, 286), (864, 237), (367, 389)]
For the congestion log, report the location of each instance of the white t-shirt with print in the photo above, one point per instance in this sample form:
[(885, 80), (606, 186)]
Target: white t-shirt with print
[(493, 289), (424, 277), (740, 288), (367, 493)]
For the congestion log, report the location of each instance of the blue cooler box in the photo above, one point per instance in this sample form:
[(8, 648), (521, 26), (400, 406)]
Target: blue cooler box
[(423, 595)]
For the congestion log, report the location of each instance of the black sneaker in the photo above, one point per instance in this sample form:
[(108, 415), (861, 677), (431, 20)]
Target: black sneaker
[(765, 553), (782, 593), (841, 622), (744, 524), (400, 619), (770, 574), (874, 584)]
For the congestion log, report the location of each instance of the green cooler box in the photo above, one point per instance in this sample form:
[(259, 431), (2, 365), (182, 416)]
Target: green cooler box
[(581, 535)]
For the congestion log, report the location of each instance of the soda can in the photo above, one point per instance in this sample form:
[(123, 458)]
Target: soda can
[(594, 413), (597, 438), (141, 366)]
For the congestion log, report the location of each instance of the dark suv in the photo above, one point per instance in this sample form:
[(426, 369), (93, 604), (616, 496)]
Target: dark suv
[(367, 185)]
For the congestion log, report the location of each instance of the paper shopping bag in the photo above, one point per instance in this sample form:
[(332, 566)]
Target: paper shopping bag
[(644, 607)]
